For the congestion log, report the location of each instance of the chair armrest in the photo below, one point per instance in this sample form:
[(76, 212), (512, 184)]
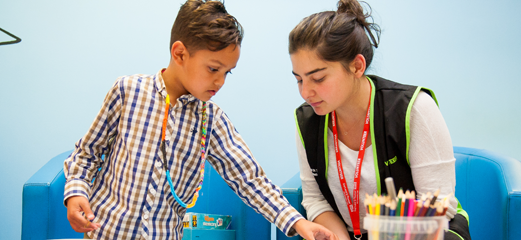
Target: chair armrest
[(43, 213), (505, 186), (512, 177), (292, 191)]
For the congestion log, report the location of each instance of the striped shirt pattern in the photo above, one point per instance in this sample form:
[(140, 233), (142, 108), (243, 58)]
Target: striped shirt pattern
[(130, 196)]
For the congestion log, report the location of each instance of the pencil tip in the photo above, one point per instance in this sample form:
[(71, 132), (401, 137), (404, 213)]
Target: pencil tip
[(437, 192)]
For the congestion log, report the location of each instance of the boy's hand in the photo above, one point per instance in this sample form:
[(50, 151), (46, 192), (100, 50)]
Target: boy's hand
[(313, 231), (75, 206)]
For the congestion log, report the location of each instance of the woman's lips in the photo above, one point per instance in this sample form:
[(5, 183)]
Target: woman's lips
[(314, 104)]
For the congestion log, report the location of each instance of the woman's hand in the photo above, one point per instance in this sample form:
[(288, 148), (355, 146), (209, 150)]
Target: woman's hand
[(312, 231), (333, 223), (80, 223)]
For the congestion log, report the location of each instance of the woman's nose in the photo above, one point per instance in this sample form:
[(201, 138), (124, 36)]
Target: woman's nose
[(306, 90)]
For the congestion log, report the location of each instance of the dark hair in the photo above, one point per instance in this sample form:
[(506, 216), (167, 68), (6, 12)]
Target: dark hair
[(337, 36), (205, 24)]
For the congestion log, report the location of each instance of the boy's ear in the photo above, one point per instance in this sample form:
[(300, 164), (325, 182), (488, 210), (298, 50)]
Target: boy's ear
[(178, 52)]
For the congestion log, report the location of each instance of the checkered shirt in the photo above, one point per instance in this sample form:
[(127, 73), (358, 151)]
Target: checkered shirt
[(130, 196)]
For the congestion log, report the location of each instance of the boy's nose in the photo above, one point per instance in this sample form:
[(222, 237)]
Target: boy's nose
[(219, 81)]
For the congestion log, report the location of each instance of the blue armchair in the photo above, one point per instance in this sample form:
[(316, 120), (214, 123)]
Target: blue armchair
[(488, 187), (45, 217)]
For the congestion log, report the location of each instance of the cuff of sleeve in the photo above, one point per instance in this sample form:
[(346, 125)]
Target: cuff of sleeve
[(75, 187), (286, 219), (315, 211), (452, 210)]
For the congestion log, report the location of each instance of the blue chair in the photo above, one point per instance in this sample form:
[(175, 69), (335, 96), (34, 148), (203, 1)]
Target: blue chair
[(488, 187), (45, 217)]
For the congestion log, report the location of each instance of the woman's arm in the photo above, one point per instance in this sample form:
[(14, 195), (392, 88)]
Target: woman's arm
[(431, 155), (317, 208)]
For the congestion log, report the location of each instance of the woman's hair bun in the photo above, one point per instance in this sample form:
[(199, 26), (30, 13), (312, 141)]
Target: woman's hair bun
[(350, 7), (338, 36), (354, 8)]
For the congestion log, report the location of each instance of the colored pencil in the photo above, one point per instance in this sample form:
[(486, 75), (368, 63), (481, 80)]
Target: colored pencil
[(431, 212), (445, 207), (428, 197), (366, 205), (424, 209), (445, 203), (407, 201), (399, 202), (402, 207), (417, 207), (374, 202), (382, 205), (412, 203), (435, 196), (439, 209), (377, 209), (392, 208)]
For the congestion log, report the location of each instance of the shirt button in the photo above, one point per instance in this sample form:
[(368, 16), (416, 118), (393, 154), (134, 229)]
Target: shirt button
[(145, 216)]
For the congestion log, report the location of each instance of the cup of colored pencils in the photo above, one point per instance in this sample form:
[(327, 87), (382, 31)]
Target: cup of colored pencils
[(405, 217)]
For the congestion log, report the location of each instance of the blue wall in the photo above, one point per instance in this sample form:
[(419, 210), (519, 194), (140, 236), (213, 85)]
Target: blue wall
[(53, 82)]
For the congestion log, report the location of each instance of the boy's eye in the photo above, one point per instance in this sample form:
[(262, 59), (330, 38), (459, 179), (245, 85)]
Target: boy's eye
[(213, 69)]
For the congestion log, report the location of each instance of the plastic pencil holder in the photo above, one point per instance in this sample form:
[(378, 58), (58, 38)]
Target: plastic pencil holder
[(406, 228)]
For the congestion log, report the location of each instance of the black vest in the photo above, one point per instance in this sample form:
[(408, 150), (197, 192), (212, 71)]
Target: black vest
[(389, 127), (391, 105)]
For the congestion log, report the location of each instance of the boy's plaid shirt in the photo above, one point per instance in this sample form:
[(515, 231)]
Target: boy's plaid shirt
[(130, 196)]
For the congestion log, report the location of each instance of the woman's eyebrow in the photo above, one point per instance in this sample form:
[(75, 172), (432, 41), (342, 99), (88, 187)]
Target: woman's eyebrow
[(310, 72)]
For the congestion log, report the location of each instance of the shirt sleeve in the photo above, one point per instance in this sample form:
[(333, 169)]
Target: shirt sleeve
[(232, 159), (81, 166), (431, 156), (312, 199)]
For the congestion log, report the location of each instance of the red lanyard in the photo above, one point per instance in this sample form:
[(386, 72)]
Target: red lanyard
[(352, 206)]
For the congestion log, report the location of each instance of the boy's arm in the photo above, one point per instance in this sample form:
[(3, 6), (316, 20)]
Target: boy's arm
[(230, 156), (83, 163)]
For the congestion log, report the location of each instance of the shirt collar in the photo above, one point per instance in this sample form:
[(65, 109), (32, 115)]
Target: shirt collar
[(161, 88)]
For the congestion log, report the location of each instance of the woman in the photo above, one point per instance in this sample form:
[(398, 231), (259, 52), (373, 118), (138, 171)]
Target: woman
[(380, 128)]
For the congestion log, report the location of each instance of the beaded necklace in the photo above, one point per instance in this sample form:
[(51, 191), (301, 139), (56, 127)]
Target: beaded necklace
[(165, 163)]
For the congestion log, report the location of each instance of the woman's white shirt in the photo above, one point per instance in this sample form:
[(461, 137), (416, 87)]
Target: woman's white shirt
[(431, 160)]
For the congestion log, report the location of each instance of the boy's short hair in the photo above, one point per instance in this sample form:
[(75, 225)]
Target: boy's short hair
[(206, 24)]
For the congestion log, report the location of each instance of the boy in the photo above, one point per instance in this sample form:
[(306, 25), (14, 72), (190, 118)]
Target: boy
[(144, 137)]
